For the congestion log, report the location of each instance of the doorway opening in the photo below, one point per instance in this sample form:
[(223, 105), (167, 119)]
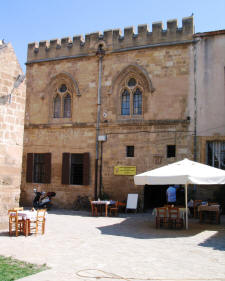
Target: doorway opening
[(154, 196)]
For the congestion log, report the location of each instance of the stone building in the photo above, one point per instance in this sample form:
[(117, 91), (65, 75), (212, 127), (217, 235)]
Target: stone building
[(100, 110), (207, 101), (12, 109)]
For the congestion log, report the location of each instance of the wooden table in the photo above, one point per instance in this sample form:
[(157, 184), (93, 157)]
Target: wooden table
[(27, 216), (101, 203), (208, 213)]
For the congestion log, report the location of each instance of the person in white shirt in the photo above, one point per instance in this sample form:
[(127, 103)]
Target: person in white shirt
[(171, 195)]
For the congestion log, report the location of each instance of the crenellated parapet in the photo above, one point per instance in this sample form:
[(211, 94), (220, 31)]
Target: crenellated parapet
[(111, 40)]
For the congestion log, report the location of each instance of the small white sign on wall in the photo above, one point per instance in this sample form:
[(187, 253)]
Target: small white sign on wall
[(132, 200)]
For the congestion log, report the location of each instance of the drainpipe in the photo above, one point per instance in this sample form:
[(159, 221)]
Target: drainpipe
[(195, 100), (100, 53)]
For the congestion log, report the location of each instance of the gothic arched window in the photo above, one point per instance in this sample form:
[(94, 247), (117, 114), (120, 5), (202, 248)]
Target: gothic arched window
[(131, 98), (137, 102), (57, 106), (67, 106), (62, 102), (125, 103)]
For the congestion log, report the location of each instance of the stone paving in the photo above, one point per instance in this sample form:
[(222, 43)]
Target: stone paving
[(77, 246)]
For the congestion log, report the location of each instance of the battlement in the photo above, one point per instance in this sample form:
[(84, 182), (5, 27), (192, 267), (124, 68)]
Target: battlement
[(111, 40)]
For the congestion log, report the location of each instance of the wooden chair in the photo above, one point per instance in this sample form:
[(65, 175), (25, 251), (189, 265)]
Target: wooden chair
[(15, 223), (174, 218), (161, 218), (114, 209), (94, 208), (39, 223), (18, 208), (196, 204)]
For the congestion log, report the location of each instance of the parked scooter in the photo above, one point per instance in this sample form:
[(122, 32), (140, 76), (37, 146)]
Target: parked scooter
[(43, 199)]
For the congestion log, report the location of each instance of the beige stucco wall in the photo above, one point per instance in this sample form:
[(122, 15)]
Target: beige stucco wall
[(11, 131), (210, 87), (207, 70)]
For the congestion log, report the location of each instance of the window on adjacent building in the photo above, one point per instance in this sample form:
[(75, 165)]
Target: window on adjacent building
[(131, 98), (130, 151), (215, 151), (171, 151), (75, 168), (38, 167)]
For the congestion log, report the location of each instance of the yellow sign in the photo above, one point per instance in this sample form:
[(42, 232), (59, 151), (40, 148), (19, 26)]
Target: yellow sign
[(125, 170)]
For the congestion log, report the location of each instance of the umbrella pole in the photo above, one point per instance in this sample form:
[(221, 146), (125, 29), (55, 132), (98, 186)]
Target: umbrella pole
[(186, 205)]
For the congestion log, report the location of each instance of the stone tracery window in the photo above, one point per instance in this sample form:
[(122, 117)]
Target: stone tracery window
[(57, 106), (131, 98), (67, 106), (125, 104), (62, 102)]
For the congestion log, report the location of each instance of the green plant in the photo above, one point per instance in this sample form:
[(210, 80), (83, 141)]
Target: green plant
[(12, 269)]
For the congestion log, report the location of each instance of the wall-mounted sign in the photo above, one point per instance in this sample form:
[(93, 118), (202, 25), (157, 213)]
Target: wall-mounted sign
[(125, 170)]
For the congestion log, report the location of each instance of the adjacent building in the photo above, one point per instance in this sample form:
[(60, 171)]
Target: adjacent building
[(207, 101), (12, 109)]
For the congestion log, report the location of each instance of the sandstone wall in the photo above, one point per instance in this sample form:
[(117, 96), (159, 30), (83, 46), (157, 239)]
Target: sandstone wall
[(11, 131), (164, 71)]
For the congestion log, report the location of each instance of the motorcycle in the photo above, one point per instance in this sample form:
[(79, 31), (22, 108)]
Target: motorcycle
[(43, 199)]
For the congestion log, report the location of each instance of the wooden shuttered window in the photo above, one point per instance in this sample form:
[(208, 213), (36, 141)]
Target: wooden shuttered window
[(47, 175), (66, 168), (30, 162), (30, 173), (70, 174), (86, 168)]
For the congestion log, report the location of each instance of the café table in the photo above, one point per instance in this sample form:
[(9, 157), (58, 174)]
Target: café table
[(209, 212), (27, 216), (100, 203), (182, 212)]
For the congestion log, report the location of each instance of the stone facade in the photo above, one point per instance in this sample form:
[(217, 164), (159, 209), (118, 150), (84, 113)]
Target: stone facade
[(12, 109), (96, 72)]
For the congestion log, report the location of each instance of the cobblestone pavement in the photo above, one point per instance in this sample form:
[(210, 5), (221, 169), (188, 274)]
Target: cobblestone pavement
[(77, 246)]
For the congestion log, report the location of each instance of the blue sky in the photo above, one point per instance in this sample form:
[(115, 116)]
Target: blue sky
[(26, 21)]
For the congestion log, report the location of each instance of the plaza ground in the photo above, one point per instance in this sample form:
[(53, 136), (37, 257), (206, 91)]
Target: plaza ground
[(77, 246)]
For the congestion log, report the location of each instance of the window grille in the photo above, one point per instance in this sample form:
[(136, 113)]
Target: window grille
[(125, 108), (67, 106), (57, 106), (216, 154), (137, 102), (171, 151), (130, 151), (39, 168), (76, 169)]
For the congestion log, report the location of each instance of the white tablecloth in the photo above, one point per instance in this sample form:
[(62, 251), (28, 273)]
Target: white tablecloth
[(182, 212), (28, 215), (103, 202)]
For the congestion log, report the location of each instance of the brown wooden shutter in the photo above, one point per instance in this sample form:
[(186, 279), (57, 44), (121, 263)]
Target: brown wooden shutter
[(86, 168), (30, 161), (47, 157), (66, 168)]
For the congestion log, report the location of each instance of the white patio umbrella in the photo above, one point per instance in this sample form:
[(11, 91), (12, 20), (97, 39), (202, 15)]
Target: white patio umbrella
[(182, 172)]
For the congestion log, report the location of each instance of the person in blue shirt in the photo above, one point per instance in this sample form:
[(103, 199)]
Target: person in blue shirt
[(171, 195)]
